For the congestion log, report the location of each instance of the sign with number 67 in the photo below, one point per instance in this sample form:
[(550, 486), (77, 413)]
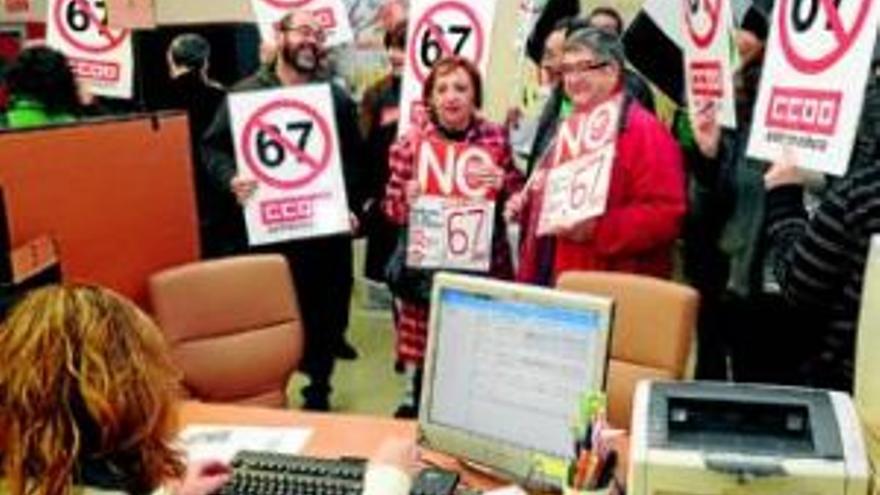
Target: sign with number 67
[(576, 191), (451, 233)]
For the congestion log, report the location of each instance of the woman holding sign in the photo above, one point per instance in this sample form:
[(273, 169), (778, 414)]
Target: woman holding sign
[(609, 192), (449, 180)]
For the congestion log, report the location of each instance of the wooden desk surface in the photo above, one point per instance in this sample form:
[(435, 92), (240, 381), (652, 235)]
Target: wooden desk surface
[(333, 434)]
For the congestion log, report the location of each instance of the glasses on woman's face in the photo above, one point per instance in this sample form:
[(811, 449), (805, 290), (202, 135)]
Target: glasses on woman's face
[(580, 67)]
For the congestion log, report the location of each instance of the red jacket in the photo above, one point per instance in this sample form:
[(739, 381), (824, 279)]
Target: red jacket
[(646, 204)]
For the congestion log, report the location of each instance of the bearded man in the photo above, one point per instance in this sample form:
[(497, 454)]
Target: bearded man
[(321, 267)]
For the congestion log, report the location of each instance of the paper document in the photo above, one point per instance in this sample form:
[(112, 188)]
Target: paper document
[(222, 442)]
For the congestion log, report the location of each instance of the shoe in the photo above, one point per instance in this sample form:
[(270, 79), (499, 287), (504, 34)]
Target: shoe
[(406, 411), (345, 351), (318, 404)]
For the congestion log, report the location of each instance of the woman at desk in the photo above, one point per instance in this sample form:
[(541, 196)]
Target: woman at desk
[(88, 398), (453, 95)]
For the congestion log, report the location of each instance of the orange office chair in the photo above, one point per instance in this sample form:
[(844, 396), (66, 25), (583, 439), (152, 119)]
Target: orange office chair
[(652, 330), (233, 326)]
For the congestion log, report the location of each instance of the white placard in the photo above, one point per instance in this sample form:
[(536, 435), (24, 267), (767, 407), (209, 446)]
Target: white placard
[(438, 28), (813, 82), (709, 57), (101, 57), (452, 222), (450, 233), (331, 14), (286, 139), (578, 181), (222, 442)]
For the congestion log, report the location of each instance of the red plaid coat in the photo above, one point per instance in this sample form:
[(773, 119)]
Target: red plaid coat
[(412, 321)]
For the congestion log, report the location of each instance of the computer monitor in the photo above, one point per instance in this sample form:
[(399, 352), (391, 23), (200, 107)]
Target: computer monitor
[(505, 369)]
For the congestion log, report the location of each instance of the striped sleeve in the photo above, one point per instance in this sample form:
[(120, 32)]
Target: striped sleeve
[(812, 258), (401, 162)]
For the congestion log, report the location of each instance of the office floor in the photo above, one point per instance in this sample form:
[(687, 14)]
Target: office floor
[(369, 384)]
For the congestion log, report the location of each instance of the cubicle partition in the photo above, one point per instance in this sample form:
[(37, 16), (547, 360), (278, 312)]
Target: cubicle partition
[(116, 196)]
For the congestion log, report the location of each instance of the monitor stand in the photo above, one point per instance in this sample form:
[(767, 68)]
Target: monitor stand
[(536, 485)]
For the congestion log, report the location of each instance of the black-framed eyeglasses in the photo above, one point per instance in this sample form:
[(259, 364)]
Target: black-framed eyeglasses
[(305, 31), (580, 67)]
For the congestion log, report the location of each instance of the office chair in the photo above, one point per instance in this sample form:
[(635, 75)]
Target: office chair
[(233, 326), (652, 330)]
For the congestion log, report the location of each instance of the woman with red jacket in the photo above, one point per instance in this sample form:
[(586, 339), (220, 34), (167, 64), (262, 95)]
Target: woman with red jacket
[(646, 196), (453, 94)]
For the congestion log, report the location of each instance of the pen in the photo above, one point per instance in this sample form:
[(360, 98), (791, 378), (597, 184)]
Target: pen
[(583, 466), (607, 472)]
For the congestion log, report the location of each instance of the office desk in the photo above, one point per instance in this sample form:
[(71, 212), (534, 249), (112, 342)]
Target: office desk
[(333, 435)]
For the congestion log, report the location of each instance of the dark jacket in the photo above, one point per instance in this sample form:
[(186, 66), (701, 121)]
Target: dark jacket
[(820, 263), (201, 99), (379, 111), (219, 154)]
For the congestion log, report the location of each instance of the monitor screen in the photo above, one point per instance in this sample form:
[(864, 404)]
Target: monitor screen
[(507, 364)]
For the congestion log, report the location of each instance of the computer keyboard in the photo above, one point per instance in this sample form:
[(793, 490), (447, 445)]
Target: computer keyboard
[(266, 473)]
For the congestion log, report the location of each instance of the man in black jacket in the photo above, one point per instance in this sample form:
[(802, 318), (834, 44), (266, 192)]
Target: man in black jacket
[(321, 267), (190, 89)]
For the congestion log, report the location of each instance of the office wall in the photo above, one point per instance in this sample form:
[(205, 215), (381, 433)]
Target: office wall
[(117, 197)]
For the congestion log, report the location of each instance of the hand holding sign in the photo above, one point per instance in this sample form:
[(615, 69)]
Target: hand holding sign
[(243, 188)]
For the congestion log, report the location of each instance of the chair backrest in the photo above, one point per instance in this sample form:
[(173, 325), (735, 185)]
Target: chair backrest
[(233, 326), (652, 330)]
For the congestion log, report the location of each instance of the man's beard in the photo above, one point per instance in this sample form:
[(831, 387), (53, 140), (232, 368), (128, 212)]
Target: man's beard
[(304, 58)]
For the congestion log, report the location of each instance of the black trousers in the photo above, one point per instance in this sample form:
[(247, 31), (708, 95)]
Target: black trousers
[(763, 338), (322, 274)]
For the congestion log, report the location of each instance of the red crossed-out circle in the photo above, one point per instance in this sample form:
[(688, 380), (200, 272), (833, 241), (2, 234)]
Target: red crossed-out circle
[(713, 11), (427, 22), (256, 123), (113, 41), (289, 4), (844, 39)]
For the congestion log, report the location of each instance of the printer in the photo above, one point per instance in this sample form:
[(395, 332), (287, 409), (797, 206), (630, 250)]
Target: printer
[(709, 438)]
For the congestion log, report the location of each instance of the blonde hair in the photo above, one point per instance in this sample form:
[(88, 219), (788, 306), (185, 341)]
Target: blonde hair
[(85, 378)]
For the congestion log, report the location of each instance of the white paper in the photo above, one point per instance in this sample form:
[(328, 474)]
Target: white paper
[(222, 442), (507, 490), (579, 179), (709, 58), (576, 191), (100, 56), (286, 140), (813, 82), (451, 233)]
